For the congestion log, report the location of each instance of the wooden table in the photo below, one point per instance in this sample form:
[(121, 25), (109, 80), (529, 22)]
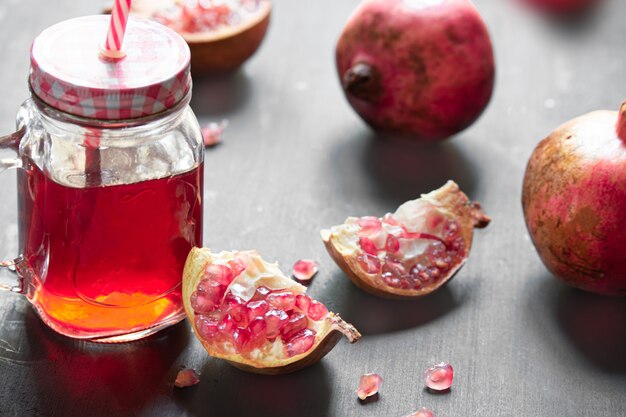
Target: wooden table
[(296, 159)]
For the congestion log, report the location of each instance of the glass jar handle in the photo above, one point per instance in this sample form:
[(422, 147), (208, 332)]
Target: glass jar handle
[(9, 281)]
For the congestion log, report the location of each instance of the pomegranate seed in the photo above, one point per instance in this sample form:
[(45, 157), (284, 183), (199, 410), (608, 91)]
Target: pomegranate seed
[(369, 385), (369, 263), (202, 303), (303, 302), (369, 225), (368, 246), (203, 285), (451, 229), (257, 309), (274, 319), (392, 280), (394, 267), (241, 339), (220, 273), (439, 377), (227, 326), (317, 311), (283, 299), (206, 326), (300, 342), (296, 323), (261, 293), (305, 269), (258, 332), (236, 308), (186, 378), (421, 274), (422, 412), (212, 133), (237, 266), (392, 245)]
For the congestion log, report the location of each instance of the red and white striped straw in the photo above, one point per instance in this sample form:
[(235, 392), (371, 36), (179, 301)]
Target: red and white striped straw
[(117, 28)]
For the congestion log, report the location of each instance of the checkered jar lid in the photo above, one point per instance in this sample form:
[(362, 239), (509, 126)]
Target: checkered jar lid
[(68, 73)]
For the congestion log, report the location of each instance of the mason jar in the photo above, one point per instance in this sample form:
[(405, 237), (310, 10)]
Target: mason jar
[(110, 180)]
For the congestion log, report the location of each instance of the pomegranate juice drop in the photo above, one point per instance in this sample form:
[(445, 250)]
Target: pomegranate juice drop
[(108, 260)]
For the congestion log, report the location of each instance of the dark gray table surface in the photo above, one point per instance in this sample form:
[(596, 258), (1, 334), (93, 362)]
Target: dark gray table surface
[(296, 159)]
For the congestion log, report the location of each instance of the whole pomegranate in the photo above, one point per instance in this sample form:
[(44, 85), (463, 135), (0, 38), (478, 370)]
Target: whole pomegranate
[(424, 68), (562, 6), (574, 200)]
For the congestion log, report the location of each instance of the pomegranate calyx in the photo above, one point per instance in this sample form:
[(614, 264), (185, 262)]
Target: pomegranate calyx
[(621, 122), (362, 81)]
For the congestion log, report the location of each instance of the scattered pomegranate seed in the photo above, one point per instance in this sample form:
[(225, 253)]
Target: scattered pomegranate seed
[(305, 269), (186, 378), (300, 342), (422, 412), (369, 385), (212, 133), (439, 377)]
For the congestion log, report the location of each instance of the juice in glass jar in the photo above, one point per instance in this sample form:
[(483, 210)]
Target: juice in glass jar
[(105, 259)]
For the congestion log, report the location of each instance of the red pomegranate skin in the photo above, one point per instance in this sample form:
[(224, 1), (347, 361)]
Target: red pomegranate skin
[(574, 201), (562, 6), (427, 66)]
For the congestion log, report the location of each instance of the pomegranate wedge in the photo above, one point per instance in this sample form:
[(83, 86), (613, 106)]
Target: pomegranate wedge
[(246, 311), (411, 252)]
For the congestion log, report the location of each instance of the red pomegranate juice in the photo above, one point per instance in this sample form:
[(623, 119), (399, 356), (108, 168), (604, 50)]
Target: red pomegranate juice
[(106, 261)]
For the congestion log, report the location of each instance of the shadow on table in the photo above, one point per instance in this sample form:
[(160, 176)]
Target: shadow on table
[(375, 315), (594, 325), (225, 391), (220, 94), (577, 24), (82, 378), (400, 168)]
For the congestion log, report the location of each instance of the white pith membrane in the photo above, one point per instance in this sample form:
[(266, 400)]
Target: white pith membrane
[(257, 274), (413, 250)]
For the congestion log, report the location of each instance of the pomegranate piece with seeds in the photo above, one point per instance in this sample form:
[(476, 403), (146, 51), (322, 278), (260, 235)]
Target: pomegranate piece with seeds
[(244, 310), (369, 385), (186, 378), (439, 377), (221, 34), (411, 252), (305, 269)]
